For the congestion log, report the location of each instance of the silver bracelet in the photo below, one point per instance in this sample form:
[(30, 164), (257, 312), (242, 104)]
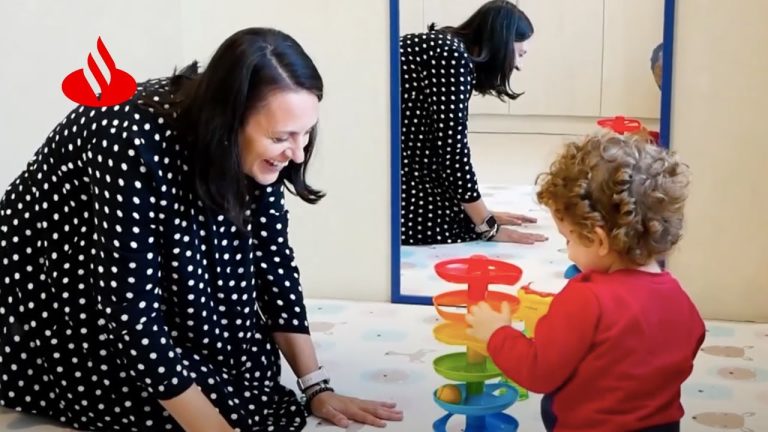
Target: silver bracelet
[(490, 234), (320, 388)]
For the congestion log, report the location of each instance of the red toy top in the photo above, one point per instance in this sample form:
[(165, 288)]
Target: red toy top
[(620, 124), (478, 271)]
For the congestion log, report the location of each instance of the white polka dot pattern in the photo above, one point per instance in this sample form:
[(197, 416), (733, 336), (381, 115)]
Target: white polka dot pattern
[(436, 82), (118, 287)]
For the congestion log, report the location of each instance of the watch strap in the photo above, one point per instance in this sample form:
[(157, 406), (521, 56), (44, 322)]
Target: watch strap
[(316, 377), (488, 228)]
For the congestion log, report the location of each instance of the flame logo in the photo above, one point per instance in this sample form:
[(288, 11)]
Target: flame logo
[(101, 84)]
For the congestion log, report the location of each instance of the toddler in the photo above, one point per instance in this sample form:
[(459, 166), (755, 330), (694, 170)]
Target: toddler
[(620, 338)]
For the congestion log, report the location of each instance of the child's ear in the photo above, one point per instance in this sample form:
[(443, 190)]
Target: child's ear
[(601, 238)]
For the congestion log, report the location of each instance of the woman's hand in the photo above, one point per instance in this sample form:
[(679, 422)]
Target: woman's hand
[(509, 235), (506, 218), (341, 410), (483, 321)]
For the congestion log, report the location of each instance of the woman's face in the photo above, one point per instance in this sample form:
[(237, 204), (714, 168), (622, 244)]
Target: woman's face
[(521, 49), (277, 133)]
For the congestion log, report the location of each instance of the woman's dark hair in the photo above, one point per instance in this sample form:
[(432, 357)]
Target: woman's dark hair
[(489, 35), (209, 108)]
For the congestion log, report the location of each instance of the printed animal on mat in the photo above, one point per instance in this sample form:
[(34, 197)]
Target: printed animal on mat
[(415, 357), (728, 351), (324, 327), (724, 420), (737, 374)]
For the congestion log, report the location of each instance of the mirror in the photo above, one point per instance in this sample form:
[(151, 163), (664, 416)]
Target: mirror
[(585, 61)]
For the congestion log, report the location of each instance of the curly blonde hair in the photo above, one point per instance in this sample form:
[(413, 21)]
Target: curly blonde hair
[(628, 186)]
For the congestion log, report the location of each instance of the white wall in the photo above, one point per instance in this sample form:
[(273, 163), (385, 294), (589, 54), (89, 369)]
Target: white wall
[(516, 159), (587, 59), (720, 94), (41, 41), (342, 244)]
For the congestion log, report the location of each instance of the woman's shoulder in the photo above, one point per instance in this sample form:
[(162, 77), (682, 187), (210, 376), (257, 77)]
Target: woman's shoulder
[(88, 130), (437, 43), (152, 89), (133, 133)]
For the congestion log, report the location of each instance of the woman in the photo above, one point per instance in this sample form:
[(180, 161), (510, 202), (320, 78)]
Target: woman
[(145, 256), (440, 200)]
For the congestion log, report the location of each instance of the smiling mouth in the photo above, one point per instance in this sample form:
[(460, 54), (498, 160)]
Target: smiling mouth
[(276, 164)]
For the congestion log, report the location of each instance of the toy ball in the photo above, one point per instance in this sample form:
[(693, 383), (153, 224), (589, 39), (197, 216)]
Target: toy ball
[(571, 271), (449, 393)]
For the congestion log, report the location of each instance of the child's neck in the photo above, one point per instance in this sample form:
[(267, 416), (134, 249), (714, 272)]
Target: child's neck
[(651, 267)]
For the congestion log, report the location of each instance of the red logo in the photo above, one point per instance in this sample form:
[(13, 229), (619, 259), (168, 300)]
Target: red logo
[(100, 85)]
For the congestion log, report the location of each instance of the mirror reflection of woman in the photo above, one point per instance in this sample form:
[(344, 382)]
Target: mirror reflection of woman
[(440, 198)]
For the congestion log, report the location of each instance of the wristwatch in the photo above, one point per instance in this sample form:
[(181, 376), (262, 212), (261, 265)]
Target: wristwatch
[(317, 377), (488, 229)]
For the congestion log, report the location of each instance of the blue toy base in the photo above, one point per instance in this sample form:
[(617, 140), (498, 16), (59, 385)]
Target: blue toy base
[(571, 271), (522, 394), (498, 422)]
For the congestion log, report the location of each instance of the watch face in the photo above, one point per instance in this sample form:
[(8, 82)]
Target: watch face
[(487, 225), (491, 222)]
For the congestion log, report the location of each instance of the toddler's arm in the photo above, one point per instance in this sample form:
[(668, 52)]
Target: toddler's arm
[(563, 338)]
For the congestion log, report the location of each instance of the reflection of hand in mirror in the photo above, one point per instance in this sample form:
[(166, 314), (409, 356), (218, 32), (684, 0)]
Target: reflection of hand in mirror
[(508, 235), (506, 218)]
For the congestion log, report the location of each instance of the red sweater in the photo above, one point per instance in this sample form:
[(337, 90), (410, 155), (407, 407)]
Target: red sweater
[(610, 355)]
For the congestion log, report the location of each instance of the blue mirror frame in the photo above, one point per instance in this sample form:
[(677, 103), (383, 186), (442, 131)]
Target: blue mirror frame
[(394, 87)]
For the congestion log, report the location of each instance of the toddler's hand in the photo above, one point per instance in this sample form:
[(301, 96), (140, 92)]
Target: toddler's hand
[(483, 320)]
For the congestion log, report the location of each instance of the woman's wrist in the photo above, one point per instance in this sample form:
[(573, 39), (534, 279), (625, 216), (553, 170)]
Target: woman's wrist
[(477, 211), (195, 412), (492, 231)]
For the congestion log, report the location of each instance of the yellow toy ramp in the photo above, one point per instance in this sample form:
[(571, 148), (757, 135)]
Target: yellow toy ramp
[(455, 333)]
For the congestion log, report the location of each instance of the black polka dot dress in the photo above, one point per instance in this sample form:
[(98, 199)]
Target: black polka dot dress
[(436, 83), (118, 287)]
